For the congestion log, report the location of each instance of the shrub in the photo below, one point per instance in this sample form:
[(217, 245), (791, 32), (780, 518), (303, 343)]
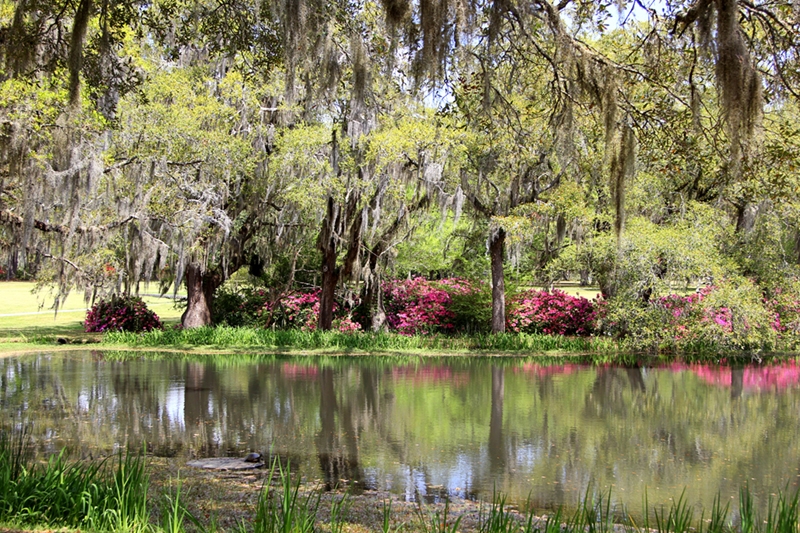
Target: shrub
[(300, 310), (420, 306), (240, 307), (554, 313), (783, 302), (730, 315), (472, 309), (121, 313), (296, 310)]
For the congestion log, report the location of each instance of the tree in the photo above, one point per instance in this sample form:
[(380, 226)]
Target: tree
[(347, 66)]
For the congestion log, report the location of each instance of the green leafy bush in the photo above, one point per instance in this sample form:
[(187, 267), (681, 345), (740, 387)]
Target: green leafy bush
[(239, 306)]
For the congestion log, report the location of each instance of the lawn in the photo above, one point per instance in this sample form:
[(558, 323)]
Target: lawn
[(24, 313)]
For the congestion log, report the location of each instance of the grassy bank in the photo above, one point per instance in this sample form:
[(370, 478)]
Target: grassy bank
[(27, 320), (226, 337), (25, 327), (243, 340)]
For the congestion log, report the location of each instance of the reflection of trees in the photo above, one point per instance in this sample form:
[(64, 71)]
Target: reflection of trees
[(497, 446), (337, 451), (547, 431), (198, 412), (737, 382)]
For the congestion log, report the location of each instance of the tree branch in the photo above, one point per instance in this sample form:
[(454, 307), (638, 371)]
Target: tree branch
[(12, 219)]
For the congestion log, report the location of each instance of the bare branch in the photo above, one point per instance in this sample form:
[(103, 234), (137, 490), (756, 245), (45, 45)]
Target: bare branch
[(12, 219)]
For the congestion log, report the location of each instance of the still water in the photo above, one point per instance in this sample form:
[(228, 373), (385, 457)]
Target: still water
[(423, 428)]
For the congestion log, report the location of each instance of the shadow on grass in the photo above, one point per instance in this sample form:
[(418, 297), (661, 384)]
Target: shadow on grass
[(72, 332), (35, 332)]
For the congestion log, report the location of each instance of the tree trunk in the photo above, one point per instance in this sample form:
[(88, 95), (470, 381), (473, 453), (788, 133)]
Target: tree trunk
[(200, 289), (330, 277), (496, 251), (746, 214)]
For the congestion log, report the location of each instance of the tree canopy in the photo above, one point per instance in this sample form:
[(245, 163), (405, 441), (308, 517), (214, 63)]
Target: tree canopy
[(181, 141)]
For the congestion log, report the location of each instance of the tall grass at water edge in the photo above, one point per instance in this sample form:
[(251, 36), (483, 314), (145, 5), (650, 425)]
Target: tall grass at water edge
[(598, 515), (286, 510), (229, 337), (106, 496)]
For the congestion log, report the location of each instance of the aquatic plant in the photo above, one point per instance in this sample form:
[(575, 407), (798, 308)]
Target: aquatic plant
[(284, 510)]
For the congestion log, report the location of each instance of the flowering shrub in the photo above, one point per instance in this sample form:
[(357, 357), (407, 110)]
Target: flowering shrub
[(250, 306), (784, 305), (121, 313), (730, 315), (555, 313), (300, 310), (420, 306)]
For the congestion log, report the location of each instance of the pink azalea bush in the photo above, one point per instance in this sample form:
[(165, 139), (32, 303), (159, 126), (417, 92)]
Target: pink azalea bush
[(420, 306), (551, 312), (300, 310), (784, 305), (121, 313)]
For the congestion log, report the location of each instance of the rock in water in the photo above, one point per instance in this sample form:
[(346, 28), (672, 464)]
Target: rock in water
[(224, 463)]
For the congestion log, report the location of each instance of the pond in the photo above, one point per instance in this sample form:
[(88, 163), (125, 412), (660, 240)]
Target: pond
[(423, 428)]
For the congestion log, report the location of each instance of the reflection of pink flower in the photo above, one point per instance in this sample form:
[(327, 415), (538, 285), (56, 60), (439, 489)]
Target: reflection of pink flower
[(430, 374), (298, 372), (547, 370), (779, 376)]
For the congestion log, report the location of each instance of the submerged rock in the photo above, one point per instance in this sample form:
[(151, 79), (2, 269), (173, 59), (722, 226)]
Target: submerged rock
[(228, 463)]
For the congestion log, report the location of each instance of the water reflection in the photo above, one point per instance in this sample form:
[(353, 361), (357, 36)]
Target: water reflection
[(427, 428)]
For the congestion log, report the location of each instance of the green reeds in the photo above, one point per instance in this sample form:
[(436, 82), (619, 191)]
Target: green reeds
[(70, 494), (497, 519), (386, 522), (339, 509), (597, 514), (174, 513), (678, 519), (437, 522), (284, 511)]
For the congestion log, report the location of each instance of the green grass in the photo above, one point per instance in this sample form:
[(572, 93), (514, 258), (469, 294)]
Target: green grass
[(224, 337), (26, 315)]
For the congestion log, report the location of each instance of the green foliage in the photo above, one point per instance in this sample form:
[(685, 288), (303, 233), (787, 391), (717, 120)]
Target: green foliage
[(472, 309), (239, 306), (285, 511), (173, 510), (651, 259)]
